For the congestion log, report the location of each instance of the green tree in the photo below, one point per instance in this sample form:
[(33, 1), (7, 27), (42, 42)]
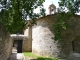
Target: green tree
[(66, 11), (14, 13)]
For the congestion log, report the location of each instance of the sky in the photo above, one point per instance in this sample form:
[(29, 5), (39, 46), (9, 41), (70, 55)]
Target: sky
[(46, 5)]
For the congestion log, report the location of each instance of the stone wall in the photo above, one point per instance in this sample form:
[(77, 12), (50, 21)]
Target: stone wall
[(43, 44), (6, 43), (27, 42), (25, 45)]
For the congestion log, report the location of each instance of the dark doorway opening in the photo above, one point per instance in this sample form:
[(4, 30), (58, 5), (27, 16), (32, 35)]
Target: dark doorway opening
[(73, 45), (19, 48), (18, 45), (76, 45)]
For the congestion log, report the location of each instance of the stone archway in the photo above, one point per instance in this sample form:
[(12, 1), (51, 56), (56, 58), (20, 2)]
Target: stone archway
[(19, 38)]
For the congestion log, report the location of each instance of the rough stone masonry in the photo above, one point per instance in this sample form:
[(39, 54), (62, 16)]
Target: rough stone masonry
[(43, 44), (6, 43)]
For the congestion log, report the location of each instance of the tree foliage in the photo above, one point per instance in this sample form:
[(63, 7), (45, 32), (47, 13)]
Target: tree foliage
[(14, 13), (66, 11)]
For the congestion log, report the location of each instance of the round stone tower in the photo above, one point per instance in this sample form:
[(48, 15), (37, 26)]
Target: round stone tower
[(43, 44)]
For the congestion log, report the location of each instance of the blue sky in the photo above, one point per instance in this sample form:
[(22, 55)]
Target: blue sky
[(47, 3)]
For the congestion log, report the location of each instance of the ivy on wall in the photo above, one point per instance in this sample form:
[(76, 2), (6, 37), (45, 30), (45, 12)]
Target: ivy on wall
[(66, 11)]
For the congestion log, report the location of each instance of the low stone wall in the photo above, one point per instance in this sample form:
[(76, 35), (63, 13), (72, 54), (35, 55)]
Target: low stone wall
[(6, 43)]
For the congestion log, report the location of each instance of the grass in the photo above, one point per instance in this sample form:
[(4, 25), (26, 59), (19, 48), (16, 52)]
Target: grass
[(30, 54)]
